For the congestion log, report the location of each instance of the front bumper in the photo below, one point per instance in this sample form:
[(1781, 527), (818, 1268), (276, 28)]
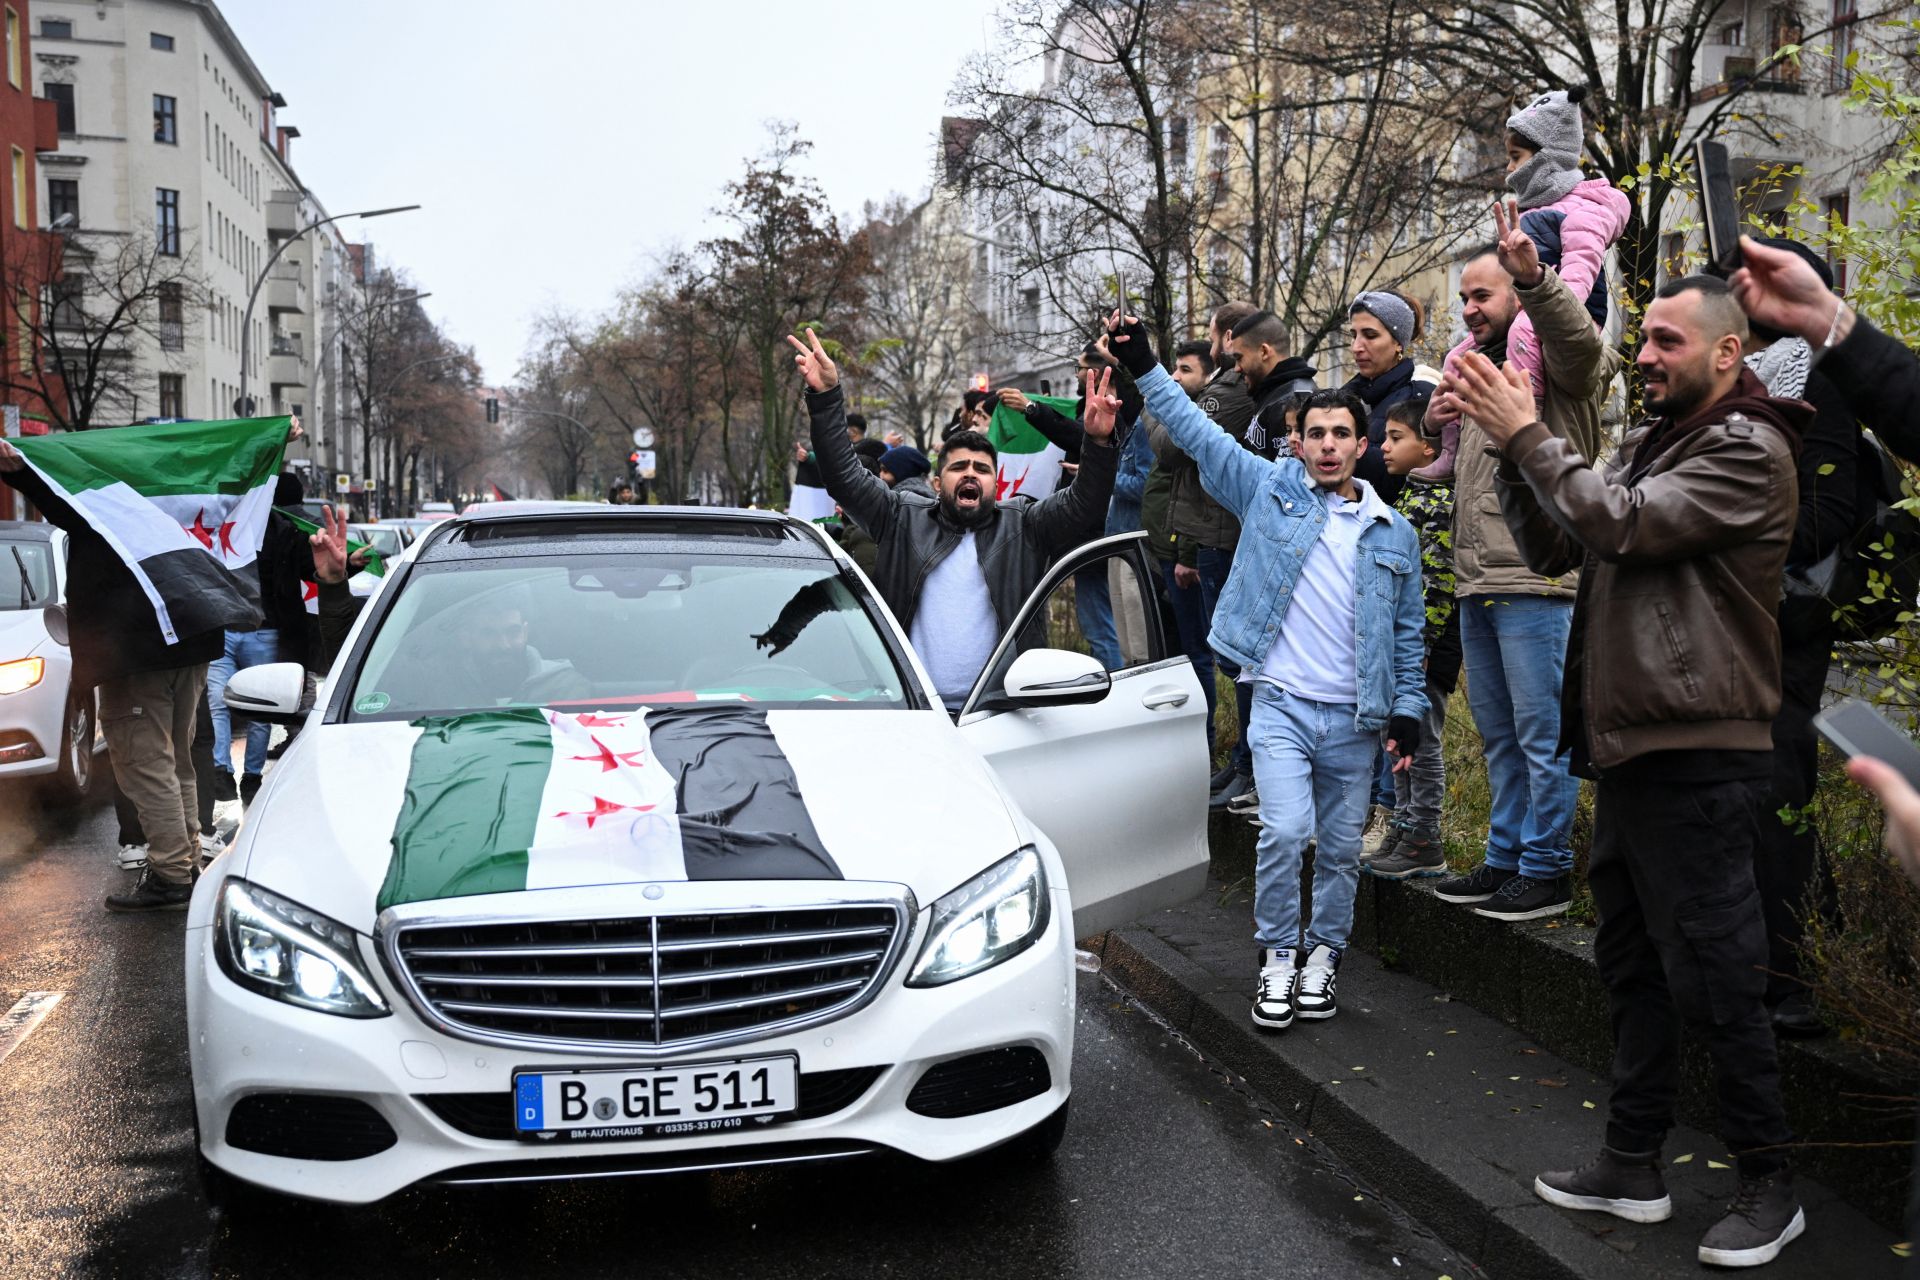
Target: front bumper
[(36, 718), (244, 1044)]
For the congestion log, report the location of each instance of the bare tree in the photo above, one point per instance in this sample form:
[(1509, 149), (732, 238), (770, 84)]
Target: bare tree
[(920, 316)]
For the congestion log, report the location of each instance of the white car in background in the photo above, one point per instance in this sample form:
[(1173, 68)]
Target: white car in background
[(49, 731), (624, 840)]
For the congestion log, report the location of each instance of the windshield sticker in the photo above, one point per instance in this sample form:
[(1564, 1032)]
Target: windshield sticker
[(501, 801), (372, 703)]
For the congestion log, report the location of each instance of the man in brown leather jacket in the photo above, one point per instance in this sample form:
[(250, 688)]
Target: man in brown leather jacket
[(1672, 683)]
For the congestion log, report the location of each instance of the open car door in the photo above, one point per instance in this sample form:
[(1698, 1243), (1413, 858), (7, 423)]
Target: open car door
[(1118, 782)]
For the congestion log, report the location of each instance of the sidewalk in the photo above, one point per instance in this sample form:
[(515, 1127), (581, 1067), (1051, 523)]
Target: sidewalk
[(1450, 1113)]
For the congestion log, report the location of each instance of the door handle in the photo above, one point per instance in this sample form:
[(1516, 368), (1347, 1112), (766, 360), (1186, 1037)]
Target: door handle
[(1158, 698)]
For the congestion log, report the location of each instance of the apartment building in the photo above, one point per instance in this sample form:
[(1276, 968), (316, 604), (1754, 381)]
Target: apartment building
[(27, 252)]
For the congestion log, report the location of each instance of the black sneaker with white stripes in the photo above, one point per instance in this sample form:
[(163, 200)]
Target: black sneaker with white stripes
[(1314, 996), (1273, 992)]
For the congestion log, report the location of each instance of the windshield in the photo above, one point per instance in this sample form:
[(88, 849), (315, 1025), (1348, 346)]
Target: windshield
[(607, 631), (26, 575), (382, 538)]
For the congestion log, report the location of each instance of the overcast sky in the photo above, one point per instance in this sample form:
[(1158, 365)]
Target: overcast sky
[(558, 148)]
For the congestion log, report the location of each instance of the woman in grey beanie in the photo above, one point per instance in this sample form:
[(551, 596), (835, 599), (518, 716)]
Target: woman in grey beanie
[(1383, 325)]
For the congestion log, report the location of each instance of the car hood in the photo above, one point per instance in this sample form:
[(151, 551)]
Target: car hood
[(894, 796), (22, 631)]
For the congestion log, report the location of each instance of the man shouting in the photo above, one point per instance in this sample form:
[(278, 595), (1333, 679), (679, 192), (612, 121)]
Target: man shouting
[(956, 568)]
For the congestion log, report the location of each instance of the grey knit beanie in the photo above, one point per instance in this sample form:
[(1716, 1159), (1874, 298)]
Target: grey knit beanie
[(1552, 127), (1391, 310)]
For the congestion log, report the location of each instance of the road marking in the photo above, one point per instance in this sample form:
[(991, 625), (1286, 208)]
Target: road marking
[(28, 1012)]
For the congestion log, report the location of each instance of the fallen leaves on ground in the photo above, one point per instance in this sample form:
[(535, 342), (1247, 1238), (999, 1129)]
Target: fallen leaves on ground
[(1685, 1159), (1587, 1105)]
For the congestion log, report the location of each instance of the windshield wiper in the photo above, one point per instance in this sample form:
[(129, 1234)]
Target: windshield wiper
[(23, 574)]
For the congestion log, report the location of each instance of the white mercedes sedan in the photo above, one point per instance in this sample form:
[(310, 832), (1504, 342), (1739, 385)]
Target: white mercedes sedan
[(630, 840)]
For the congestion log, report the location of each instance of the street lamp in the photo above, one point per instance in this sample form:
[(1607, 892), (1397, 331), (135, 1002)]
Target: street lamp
[(246, 322)]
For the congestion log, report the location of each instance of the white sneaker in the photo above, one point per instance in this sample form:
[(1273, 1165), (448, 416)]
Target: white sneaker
[(1379, 828), (226, 819), (211, 847), (1273, 993), (132, 857), (1315, 998)]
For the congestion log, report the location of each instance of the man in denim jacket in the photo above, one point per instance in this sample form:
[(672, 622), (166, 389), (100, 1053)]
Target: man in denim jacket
[(1329, 674)]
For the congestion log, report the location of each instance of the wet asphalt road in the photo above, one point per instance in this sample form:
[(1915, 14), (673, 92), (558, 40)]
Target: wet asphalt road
[(1168, 1169)]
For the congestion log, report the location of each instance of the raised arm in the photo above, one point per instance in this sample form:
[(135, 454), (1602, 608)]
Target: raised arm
[(860, 493), (1063, 521)]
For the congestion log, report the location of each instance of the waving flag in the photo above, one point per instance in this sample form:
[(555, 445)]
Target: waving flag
[(1029, 463), (183, 504), (499, 801)]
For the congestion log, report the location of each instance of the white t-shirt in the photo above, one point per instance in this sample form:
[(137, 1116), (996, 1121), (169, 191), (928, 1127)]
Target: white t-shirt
[(954, 629), (1314, 656)]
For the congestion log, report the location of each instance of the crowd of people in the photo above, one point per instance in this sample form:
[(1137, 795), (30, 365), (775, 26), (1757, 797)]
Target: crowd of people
[(1346, 555)]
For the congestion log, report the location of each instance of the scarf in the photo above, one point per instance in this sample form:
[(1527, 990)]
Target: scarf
[(1784, 365)]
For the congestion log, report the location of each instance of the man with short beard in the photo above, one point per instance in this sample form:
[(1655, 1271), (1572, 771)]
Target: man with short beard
[(1672, 685), (956, 568)]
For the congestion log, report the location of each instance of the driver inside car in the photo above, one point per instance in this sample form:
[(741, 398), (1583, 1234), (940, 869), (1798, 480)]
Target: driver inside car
[(493, 665)]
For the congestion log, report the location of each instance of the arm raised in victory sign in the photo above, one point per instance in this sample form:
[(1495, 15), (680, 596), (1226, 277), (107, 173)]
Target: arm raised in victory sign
[(1060, 522), (860, 493), (1231, 474)]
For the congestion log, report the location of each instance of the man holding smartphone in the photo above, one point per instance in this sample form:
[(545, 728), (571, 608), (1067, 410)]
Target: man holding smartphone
[(1672, 684)]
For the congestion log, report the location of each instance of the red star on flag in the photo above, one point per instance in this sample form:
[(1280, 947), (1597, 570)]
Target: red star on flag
[(226, 539), (610, 759), (309, 591), (1001, 488), (198, 529), (592, 721), (602, 808)]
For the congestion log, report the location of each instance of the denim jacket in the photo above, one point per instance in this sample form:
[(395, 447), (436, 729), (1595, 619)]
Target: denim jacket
[(1130, 482), (1281, 515)]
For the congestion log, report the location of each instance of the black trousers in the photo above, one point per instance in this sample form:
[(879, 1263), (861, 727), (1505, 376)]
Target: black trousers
[(1786, 863), (202, 755), (1682, 940)]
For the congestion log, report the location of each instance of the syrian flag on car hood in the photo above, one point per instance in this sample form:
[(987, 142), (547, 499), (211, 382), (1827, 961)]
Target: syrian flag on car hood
[(500, 801), (184, 504), (1029, 462)]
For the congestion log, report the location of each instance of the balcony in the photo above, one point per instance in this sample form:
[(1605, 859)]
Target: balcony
[(283, 214), (1725, 69), (286, 361), (287, 291)]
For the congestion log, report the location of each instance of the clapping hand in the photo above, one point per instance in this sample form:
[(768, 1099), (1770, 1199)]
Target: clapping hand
[(816, 366), (1519, 256), (1103, 406), (1500, 400)]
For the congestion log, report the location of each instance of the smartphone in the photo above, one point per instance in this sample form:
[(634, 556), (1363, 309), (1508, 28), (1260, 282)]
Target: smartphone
[(1856, 729), (1717, 204)]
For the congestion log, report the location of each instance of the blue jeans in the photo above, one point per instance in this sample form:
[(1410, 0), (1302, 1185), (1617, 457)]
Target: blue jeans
[(1093, 606), (1515, 649), (1190, 616), (244, 649), (1214, 565), (1383, 793), (1314, 772)]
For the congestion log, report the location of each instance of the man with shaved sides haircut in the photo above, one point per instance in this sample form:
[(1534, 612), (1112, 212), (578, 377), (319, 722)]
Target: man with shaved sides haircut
[(1672, 684)]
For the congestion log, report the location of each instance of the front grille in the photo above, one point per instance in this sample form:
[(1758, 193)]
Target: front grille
[(308, 1126), (490, 1115), (668, 981), (980, 1082)]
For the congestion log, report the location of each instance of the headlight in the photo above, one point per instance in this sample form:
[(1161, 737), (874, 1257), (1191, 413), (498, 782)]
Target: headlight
[(283, 950), (992, 917), (22, 673)]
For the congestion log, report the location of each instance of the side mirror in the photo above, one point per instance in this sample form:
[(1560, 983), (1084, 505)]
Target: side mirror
[(275, 693), (1055, 678), (55, 617)]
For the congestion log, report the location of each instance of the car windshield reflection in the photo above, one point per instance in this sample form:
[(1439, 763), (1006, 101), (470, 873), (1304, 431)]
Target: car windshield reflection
[(611, 631), (26, 575)]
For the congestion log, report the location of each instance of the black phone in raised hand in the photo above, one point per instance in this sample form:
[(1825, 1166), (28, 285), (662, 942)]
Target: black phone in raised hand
[(1856, 729), (1718, 208)]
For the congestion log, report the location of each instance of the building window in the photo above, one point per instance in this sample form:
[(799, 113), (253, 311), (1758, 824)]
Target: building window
[(1845, 13), (23, 332), (173, 395), (61, 96), (13, 48), (173, 316), (166, 221), (56, 29), (66, 297), (63, 200), (163, 119), (20, 188), (1836, 209), (157, 41)]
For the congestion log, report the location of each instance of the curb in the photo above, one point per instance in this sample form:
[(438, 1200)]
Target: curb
[(1459, 1197)]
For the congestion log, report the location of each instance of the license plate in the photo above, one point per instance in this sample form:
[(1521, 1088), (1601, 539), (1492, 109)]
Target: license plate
[(652, 1102)]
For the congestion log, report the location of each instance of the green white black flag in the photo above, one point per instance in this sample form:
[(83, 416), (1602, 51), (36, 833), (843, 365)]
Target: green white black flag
[(184, 504)]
